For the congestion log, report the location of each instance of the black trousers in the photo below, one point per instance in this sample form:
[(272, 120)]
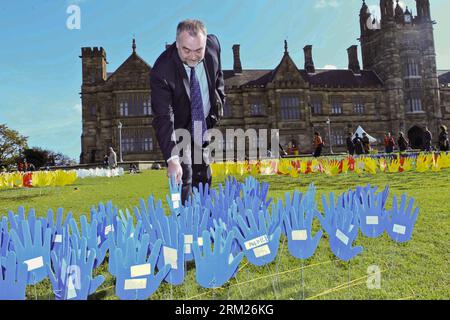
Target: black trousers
[(318, 151), (195, 173)]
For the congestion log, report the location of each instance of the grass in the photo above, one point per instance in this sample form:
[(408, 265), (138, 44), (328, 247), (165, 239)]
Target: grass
[(414, 270)]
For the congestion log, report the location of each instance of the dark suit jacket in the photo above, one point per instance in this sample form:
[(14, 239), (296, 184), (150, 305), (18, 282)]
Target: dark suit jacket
[(171, 104)]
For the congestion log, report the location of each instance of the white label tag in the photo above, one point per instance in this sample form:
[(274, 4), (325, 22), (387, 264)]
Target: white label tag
[(108, 229), (99, 240), (299, 235), (188, 238), (176, 204), (230, 258), (140, 270), (71, 292), (200, 241), (341, 236), (135, 284), (176, 197), (187, 248), (132, 235), (261, 251), (170, 257), (58, 238), (399, 229), (256, 242), (372, 220), (35, 263)]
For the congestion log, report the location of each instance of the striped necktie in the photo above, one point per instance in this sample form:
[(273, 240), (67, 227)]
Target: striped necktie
[(197, 112)]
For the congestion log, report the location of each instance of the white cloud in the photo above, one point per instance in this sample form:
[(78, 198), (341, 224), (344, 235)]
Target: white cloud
[(375, 11), (320, 4), (77, 108)]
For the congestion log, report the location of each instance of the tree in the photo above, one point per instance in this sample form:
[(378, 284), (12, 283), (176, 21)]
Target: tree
[(12, 144), (42, 157), (37, 156)]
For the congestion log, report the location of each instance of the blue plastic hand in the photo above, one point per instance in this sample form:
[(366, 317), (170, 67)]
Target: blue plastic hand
[(215, 267), (174, 199), (118, 239), (13, 278), (259, 246), (136, 278), (400, 221), (72, 276), (35, 252), (372, 216), (57, 226), (16, 220), (253, 188), (150, 215), (276, 217), (107, 217), (301, 243), (220, 202), (92, 234), (191, 223), (343, 233), (201, 194), (172, 250), (328, 220), (4, 238)]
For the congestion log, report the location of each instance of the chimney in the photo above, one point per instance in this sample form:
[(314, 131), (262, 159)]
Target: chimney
[(237, 66), (353, 63), (309, 63)]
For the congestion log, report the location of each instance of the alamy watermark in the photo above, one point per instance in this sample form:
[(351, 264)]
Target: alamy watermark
[(237, 144), (73, 22)]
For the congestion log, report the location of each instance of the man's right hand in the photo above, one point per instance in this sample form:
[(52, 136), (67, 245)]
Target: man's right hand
[(174, 169)]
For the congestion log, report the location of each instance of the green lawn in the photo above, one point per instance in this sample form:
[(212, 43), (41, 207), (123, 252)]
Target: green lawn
[(418, 269)]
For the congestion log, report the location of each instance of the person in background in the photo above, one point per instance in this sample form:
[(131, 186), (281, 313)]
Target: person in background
[(112, 158), (366, 143), (443, 139), (427, 137), (357, 142), (318, 144), (402, 142), (105, 161), (350, 145), (389, 143)]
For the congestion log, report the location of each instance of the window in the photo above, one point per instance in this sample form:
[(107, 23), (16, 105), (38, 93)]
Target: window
[(289, 107), (358, 105), (257, 107), (137, 140), (412, 68), (227, 110), (134, 104), (127, 145), (123, 106), (414, 103), (147, 107), (336, 105), (92, 111), (337, 137), (148, 144), (316, 105)]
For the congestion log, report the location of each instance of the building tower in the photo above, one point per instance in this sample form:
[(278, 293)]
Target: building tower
[(402, 53)]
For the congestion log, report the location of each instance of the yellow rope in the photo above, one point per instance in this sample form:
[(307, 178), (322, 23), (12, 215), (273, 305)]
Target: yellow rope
[(358, 281)]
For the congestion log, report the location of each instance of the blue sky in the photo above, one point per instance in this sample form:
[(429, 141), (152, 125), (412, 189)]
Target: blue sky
[(40, 72)]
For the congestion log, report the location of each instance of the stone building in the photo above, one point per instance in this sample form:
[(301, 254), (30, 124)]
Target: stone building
[(398, 88)]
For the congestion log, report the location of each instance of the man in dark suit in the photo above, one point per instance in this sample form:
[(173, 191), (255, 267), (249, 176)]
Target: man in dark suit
[(187, 90)]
